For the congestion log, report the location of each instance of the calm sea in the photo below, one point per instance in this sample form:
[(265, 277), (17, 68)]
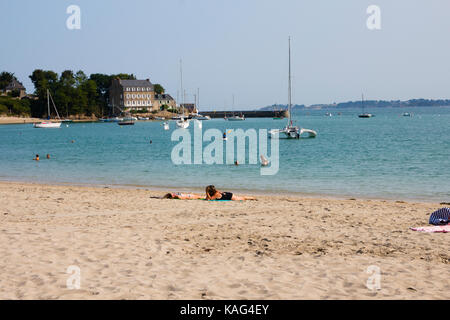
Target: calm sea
[(388, 156)]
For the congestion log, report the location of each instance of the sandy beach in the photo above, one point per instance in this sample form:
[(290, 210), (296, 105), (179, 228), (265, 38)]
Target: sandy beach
[(24, 120), (128, 244), (18, 120)]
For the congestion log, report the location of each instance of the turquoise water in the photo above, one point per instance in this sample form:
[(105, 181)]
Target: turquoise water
[(388, 156)]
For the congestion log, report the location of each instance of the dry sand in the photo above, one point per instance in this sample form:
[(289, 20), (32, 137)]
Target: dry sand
[(131, 246), (24, 120), (18, 120)]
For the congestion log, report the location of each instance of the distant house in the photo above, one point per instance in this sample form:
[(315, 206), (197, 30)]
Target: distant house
[(128, 95), (15, 86), (164, 99)]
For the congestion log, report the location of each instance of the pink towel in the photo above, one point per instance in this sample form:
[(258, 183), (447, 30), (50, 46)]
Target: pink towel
[(443, 229)]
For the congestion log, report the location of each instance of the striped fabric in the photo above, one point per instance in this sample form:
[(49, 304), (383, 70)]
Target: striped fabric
[(440, 217)]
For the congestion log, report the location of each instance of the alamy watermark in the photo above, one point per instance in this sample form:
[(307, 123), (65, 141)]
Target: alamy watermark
[(374, 20), (190, 149), (73, 282), (73, 22), (373, 283)]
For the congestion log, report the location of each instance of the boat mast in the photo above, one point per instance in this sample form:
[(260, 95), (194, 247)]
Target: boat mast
[(362, 102), (184, 99), (48, 104), (289, 86), (181, 81), (54, 106), (232, 104)]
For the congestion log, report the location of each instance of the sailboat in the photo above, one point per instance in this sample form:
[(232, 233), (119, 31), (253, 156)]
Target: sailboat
[(196, 115), (364, 114), (128, 121), (49, 124), (182, 123), (291, 131), (235, 117)]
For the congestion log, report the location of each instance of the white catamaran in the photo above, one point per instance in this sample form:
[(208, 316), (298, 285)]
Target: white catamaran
[(49, 124), (291, 131)]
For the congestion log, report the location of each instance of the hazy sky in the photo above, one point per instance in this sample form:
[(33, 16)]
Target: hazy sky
[(240, 47)]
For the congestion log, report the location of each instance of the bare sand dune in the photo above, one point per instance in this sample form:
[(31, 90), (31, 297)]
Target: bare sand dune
[(128, 245)]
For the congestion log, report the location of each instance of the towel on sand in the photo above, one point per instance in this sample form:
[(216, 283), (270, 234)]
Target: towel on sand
[(443, 229)]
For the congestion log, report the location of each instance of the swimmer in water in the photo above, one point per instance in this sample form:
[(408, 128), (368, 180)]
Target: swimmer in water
[(37, 158), (48, 156)]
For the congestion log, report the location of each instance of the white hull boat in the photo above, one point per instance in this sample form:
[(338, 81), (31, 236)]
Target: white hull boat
[(291, 131), (364, 114), (236, 118), (48, 125), (183, 124)]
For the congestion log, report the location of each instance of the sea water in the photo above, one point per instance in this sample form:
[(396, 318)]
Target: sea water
[(388, 156)]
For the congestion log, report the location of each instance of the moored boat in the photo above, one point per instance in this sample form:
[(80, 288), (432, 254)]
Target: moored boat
[(236, 118), (45, 124), (49, 124), (291, 131), (126, 123), (364, 114)]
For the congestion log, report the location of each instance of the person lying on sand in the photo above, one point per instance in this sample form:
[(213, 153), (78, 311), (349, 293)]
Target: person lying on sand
[(183, 196), (213, 194)]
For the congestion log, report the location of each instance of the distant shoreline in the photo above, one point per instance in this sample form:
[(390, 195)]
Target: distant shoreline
[(357, 105)]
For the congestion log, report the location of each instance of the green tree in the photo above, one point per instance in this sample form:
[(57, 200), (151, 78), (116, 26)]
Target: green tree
[(43, 80), (67, 78), (3, 109), (124, 76), (5, 79), (158, 88), (80, 78), (103, 82), (89, 88), (15, 93)]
